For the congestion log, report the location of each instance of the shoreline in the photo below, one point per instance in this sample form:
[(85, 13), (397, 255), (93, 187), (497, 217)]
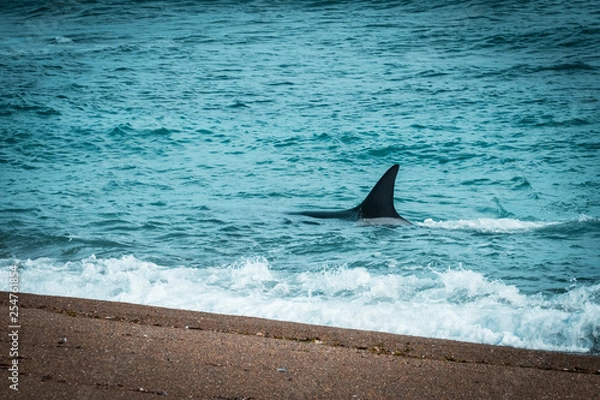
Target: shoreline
[(97, 349)]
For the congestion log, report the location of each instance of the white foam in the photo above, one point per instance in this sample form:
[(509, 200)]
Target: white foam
[(486, 225), (62, 40), (454, 304), (587, 218)]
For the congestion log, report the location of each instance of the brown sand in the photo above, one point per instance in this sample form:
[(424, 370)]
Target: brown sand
[(84, 349)]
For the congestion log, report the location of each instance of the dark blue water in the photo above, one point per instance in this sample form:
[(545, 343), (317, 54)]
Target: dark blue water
[(151, 152)]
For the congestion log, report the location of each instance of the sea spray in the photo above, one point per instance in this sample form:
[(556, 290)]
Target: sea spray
[(455, 304)]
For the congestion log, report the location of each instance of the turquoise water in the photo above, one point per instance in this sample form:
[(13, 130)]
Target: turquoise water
[(152, 153)]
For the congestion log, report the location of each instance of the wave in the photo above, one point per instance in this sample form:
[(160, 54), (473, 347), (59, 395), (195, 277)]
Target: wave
[(486, 225), (457, 304), (508, 225)]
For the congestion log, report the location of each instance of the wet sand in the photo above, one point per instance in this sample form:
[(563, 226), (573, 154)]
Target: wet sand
[(87, 349)]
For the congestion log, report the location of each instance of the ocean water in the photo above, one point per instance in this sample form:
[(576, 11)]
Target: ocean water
[(151, 152)]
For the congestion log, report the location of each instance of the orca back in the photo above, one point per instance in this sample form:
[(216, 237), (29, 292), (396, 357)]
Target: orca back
[(379, 203)]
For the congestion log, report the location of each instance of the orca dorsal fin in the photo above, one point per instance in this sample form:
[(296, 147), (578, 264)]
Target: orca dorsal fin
[(380, 201), (378, 204)]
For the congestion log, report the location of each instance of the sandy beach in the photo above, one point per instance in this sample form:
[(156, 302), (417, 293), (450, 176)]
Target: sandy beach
[(87, 349)]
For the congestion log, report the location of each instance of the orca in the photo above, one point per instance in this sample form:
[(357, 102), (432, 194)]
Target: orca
[(378, 204)]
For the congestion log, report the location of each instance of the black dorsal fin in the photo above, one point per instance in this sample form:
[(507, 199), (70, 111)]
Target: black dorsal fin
[(380, 201), (378, 204)]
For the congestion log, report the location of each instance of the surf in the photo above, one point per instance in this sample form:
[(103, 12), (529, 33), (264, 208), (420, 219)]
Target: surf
[(460, 303)]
